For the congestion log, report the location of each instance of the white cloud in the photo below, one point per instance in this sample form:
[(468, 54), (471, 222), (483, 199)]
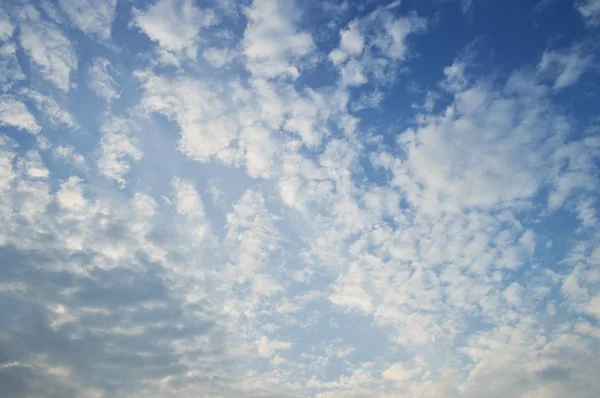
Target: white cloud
[(574, 170), (306, 113), (189, 204), (397, 372), (9, 65), (33, 167), (593, 307), (264, 285), (51, 11), (351, 44), (175, 26), (289, 190), (259, 149), (434, 252), (7, 174), (527, 240), (118, 147), (467, 5), (49, 108), (6, 26), (268, 348), (590, 11), (206, 128), (515, 361), (373, 45), (70, 195), (47, 47), (352, 74), (251, 229), (348, 293), (31, 188), (113, 236), (215, 190), (219, 57), (187, 199), (512, 294), (586, 328), (14, 113), (459, 159), (215, 123), (69, 154), (455, 76), (587, 213), (93, 18), (393, 43), (566, 67), (272, 43), (100, 80)]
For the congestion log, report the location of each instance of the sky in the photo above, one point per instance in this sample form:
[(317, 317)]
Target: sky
[(299, 198)]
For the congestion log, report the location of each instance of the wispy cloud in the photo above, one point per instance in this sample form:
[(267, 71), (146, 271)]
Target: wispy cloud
[(48, 47), (94, 19), (100, 80), (590, 11), (566, 67), (15, 113)]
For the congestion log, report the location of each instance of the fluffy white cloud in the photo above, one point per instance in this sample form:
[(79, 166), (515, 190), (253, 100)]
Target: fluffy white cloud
[(393, 42), (206, 128), (268, 348), (118, 147), (593, 307), (94, 19), (251, 228), (515, 360), (48, 48), (351, 43), (69, 154), (187, 199), (111, 235), (447, 254), (216, 120), (175, 26), (398, 372), (189, 204), (14, 113), (6, 27), (459, 159), (273, 44), (372, 45)]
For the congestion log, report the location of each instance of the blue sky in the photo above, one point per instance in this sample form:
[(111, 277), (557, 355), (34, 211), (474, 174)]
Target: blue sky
[(286, 198)]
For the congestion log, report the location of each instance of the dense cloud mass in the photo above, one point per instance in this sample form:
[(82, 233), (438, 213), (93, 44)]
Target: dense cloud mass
[(282, 198)]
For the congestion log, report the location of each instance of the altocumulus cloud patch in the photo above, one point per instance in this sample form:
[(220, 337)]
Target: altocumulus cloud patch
[(279, 198)]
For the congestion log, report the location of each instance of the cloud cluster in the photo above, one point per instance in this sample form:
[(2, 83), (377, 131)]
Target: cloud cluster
[(224, 200), (373, 45)]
